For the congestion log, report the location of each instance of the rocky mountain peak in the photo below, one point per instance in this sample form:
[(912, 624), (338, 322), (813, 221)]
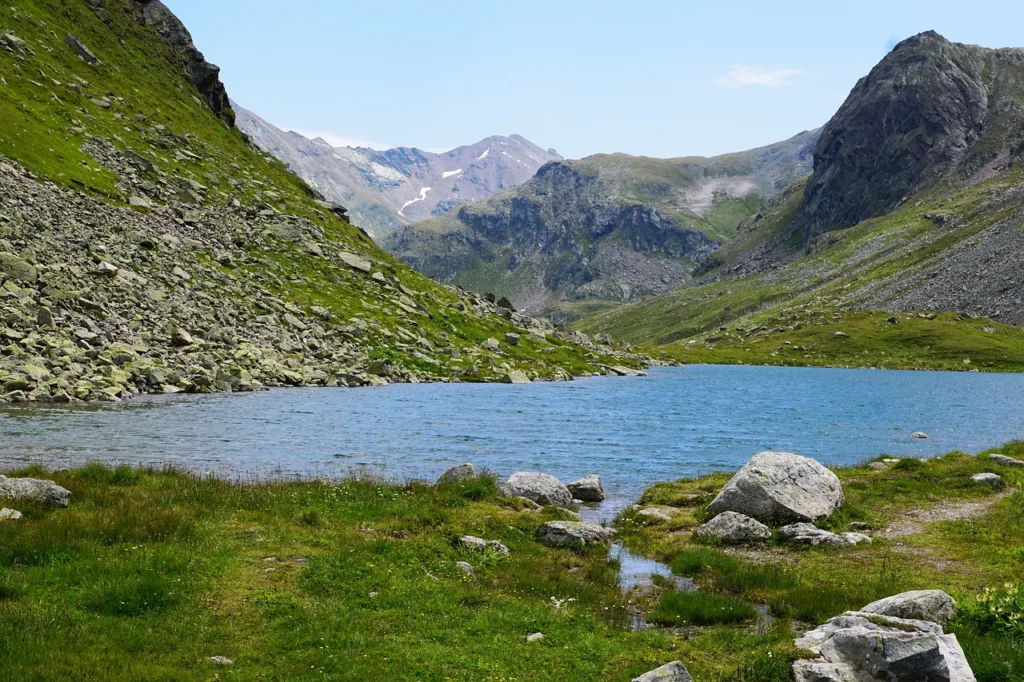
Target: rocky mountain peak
[(930, 110)]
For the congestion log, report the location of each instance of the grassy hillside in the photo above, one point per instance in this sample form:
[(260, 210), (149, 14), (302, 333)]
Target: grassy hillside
[(193, 230), (768, 287)]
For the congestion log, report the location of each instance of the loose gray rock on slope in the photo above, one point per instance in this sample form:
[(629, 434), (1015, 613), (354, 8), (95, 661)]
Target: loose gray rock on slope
[(462, 472), (730, 527), (541, 488), (34, 490), (862, 647), (934, 606), (781, 487), (1006, 461), (807, 534)]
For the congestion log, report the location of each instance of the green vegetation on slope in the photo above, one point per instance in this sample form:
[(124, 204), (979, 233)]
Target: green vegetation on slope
[(973, 542)]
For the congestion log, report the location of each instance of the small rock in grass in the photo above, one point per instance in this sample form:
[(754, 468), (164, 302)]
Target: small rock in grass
[(654, 514), (537, 636), (221, 660), (1006, 461), (10, 515), (497, 547), (472, 542), (541, 488), (731, 527), (572, 534), (807, 534), (465, 567), (670, 672), (989, 478), (35, 490), (462, 472), (878, 466)]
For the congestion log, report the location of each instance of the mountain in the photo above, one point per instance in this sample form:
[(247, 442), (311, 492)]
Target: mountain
[(906, 240), (608, 228), (385, 190), (145, 246)]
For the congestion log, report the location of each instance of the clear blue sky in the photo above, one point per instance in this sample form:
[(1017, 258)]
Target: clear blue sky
[(653, 77)]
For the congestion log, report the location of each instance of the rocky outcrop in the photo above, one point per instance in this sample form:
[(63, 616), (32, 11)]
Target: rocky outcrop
[(587, 489), (670, 672), (1006, 461), (34, 490), (864, 647), (732, 528), (573, 534), (931, 110), (781, 487), (934, 606), (609, 227), (541, 488), (205, 76)]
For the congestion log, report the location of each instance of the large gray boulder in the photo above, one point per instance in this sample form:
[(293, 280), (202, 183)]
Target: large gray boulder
[(541, 488), (670, 672), (863, 647), (572, 534), (732, 528), (587, 489), (781, 487), (934, 606), (34, 490)]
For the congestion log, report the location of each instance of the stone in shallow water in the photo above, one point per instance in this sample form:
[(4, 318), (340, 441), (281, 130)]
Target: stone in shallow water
[(587, 489)]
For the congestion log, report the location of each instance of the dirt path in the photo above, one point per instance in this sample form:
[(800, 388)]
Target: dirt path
[(913, 521)]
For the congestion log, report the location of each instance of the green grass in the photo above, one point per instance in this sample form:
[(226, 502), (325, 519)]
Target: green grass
[(679, 609), (810, 585)]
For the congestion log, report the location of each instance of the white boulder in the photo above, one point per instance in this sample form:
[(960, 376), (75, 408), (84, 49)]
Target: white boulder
[(781, 487)]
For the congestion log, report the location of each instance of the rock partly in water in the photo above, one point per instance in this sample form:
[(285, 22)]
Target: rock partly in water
[(919, 435), (516, 377), (865, 646), (34, 490), (572, 534), (587, 489), (807, 534), (934, 606), (781, 487), (734, 528), (670, 672), (462, 472), (1006, 461), (541, 488)]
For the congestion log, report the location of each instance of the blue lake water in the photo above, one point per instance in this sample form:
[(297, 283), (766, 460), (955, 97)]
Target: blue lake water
[(632, 431)]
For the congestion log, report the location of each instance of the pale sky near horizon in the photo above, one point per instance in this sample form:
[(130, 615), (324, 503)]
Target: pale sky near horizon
[(652, 77)]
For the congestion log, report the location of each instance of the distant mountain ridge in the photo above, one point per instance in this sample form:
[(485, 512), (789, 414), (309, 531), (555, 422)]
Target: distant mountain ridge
[(386, 190), (607, 229)]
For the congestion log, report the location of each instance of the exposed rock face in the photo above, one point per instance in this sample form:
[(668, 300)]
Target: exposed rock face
[(1006, 461), (732, 528), (205, 75), (572, 534), (609, 227), (34, 490), (541, 488), (807, 534), (670, 672), (780, 487), (462, 472), (930, 110), (862, 647), (934, 606), (587, 489)]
